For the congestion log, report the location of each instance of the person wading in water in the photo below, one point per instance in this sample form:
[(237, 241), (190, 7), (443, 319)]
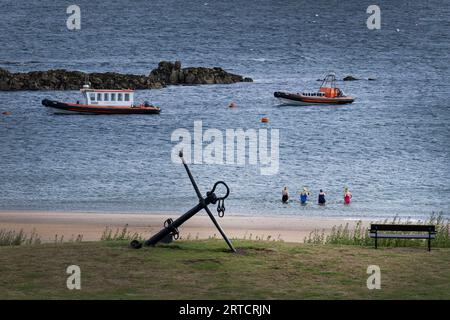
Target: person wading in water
[(321, 198), (285, 195), (347, 195), (304, 195)]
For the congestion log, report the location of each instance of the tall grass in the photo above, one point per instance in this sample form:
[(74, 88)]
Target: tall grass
[(17, 238), (120, 234), (359, 235)]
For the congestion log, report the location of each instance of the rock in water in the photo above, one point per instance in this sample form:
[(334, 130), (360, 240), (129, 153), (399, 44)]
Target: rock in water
[(5, 76), (170, 73), (167, 73), (350, 78)]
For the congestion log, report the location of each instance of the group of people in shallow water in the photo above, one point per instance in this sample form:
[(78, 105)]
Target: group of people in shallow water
[(305, 194)]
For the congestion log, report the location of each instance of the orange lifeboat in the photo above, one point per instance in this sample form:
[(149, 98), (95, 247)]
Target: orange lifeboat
[(328, 94)]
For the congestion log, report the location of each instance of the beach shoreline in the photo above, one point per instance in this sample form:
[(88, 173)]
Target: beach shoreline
[(91, 225)]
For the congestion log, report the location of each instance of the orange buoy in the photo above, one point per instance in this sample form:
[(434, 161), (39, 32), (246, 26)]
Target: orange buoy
[(264, 119)]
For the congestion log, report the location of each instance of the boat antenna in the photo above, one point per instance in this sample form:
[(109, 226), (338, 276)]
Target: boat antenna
[(329, 81)]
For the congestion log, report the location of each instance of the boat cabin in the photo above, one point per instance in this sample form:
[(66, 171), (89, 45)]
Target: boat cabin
[(122, 98), (328, 87)]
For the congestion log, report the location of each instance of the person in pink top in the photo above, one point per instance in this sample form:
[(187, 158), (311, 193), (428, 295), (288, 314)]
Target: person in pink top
[(347, 196)]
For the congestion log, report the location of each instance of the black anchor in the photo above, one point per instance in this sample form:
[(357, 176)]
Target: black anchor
[(170, 230)]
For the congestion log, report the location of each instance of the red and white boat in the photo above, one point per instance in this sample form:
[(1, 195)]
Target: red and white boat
[(328, 94), (103, 102)]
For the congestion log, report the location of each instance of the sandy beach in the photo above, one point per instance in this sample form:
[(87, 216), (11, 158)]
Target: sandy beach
[(91, 225)]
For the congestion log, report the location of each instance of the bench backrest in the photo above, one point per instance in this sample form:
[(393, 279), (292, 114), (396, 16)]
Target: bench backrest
[(402, 227)]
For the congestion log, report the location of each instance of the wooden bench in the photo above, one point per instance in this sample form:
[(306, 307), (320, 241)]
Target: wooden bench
[(428, 232)]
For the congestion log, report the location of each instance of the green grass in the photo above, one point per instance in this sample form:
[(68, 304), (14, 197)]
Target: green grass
[(204, 269), (120, 234), (17, 238)]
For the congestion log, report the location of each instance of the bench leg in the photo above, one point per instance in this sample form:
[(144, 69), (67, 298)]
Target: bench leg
[(429, 242), (376, 241)]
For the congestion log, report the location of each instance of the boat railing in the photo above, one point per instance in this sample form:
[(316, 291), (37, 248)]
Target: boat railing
[(313, 94)]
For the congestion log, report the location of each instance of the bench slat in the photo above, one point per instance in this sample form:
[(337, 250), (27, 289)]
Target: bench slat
[(402, 227), (401, 236)]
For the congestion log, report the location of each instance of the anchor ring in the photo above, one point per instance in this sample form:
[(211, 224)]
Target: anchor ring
[(214, 189)]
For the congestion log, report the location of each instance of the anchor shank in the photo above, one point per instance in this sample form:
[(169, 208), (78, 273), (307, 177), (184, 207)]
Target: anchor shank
[(178, 222)]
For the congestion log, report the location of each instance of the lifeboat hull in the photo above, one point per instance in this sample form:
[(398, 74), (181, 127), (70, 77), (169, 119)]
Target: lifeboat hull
[(71, 108), (301, 100)]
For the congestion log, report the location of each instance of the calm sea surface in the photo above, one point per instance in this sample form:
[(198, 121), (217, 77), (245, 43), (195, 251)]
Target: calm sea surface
[(391, 147)]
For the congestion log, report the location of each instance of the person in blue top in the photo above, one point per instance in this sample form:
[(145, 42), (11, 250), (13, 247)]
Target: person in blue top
[(304, 195), (321, 198)]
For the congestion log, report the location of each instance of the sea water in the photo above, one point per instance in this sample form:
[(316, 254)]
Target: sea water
[(390, 147)]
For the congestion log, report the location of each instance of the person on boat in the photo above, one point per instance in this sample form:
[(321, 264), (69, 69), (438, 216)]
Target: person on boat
[(285, 195), (347, 195), (304, 195), (321, 199)]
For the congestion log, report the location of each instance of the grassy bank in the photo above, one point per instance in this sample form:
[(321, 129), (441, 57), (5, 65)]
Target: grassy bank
[(205, 270), (359, 235)]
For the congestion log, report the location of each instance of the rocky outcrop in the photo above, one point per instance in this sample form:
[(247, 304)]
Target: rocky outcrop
[(170, 73), (167, 73), (62, 79), (350, 78)]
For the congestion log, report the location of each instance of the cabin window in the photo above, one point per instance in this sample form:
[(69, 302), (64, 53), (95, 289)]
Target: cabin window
[(92, 96), (119, 97), (127, 97), (99, 97), (106, 96), (113, 97)]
